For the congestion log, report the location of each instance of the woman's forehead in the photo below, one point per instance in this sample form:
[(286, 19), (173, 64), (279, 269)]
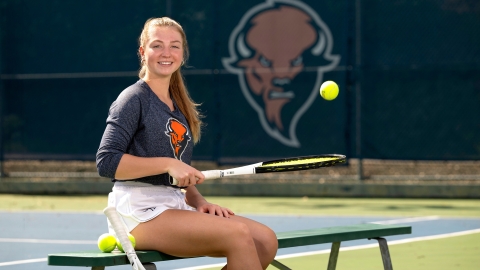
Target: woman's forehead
[(164, 33)]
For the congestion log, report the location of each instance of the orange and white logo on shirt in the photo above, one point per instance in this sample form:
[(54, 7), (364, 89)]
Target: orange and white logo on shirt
[(179, 136)]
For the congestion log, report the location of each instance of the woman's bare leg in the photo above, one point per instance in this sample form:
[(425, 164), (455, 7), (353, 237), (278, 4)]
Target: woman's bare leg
[(266, 242), (188, 233)]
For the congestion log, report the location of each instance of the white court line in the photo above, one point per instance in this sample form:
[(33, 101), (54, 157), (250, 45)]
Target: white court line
[(46, 241), (325, 251), (23, 262), (406, 220), (40, 241)]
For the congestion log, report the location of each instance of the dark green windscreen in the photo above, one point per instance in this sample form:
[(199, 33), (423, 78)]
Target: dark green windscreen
[(416, 65)]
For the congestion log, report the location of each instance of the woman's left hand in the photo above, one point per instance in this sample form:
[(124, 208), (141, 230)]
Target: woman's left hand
[(214, 209)]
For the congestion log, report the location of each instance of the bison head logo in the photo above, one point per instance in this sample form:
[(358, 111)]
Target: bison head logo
[(179, 136), (280, 50)]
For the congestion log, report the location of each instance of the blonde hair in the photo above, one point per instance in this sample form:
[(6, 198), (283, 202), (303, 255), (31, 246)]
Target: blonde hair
[(177, 87)]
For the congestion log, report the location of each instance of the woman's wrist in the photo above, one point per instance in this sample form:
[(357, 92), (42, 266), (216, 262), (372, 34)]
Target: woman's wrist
[(194, 198)]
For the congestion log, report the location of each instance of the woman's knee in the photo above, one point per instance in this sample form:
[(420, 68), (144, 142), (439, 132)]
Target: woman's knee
[(264, 237), (239, 231), (268, 238)]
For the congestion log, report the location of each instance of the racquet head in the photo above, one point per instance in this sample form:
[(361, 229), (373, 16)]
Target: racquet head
[(300, 163)]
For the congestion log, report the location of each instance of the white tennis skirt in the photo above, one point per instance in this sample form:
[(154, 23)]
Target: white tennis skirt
[(138, 202)]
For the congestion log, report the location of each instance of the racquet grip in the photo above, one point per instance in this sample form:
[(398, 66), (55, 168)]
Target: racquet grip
[(209, 175), (212, 174)]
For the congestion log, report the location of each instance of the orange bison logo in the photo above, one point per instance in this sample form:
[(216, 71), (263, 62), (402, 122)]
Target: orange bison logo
[(280, 50), (179, 136)]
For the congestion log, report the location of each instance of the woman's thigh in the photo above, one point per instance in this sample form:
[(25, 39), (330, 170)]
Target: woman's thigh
[(189, 233)]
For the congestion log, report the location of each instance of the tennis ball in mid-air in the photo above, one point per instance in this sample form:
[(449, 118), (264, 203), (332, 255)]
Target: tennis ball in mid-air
[(329, 90), (106, 242), (132, 240)]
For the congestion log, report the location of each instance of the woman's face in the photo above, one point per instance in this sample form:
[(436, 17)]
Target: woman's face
[(163, 51)]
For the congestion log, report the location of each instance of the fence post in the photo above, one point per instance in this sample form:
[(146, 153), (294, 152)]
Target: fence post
[(217, 114), (1, 120), (358, 88), (2, 98)]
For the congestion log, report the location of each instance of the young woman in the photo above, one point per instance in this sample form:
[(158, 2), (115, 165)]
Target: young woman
[(150, 132)]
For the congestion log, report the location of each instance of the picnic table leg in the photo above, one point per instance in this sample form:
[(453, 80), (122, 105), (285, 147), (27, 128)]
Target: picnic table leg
[(98, 267), (387, 262), (332, 261), (280, 265)]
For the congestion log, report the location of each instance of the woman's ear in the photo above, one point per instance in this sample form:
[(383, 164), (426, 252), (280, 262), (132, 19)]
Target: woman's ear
[(141, 53)]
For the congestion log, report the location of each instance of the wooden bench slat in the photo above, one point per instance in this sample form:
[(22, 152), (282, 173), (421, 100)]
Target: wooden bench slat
[(285, 239)]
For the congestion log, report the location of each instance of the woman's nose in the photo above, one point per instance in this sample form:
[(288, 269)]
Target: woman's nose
[(166, 52)]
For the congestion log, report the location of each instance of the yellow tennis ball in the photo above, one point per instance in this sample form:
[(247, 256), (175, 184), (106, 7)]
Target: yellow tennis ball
[(106, 242), (132, 240), (329, 90)]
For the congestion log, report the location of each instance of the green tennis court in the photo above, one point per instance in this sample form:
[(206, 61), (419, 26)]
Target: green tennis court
[(270, 205), (451, 253), (445, 216), (461, 252)]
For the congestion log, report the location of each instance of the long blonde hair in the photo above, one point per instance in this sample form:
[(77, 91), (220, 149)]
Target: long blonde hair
[(177, 87)]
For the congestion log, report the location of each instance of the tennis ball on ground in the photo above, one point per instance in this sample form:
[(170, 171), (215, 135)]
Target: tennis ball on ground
[(132, 240), (329, 90), (106, 242)]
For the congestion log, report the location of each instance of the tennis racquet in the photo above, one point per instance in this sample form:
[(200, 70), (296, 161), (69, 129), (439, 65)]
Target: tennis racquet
[(279, 165), (121, 233)]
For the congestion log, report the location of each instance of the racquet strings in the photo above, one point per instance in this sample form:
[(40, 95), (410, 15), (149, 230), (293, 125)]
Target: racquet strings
[(296, 162)]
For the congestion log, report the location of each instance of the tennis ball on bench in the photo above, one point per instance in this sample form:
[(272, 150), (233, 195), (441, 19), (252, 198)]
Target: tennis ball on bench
[(329, 90), (106, 242), (132, 240)]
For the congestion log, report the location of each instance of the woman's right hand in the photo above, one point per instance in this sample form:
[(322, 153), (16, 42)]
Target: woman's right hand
[(185, 174)]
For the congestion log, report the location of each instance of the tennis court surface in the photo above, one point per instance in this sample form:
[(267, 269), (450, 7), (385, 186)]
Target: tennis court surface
[(27, 237)]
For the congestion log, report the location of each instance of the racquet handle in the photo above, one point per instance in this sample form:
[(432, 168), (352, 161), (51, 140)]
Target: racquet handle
[(212, 174), (122, 236), (209, 175)]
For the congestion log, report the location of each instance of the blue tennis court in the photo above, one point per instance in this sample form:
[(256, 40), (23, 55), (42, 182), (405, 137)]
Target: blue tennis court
[(28, 237)]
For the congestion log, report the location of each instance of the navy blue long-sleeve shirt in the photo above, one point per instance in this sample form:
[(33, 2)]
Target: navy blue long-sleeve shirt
[(140, 124)]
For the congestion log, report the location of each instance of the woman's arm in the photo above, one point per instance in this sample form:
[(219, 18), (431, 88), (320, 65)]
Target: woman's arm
[(132, 167), (196, 200)]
